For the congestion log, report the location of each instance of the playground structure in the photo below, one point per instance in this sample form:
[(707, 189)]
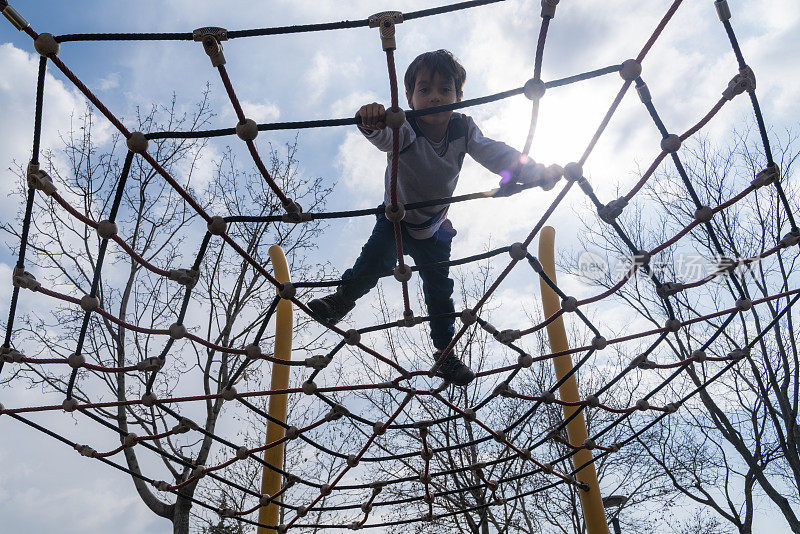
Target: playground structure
[(585, 449)]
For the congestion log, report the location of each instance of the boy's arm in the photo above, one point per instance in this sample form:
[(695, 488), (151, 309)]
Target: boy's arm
[(509, 163), (374, 128), (496, 156)]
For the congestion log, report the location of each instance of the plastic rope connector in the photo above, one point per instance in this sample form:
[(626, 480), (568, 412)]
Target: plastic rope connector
[(220, 34), (69, 405), (599, 342), (744, 81), (642, 405), (592, 400), (744, 304), (318, 362), (507, 336), (177, 331), (252, 351), (137, 143), (630, 70), (107, 229), (673, 325), (46, 44), (739, 354), (402, 273), (548, 397), (198, 472), (85, 450), (185, 425), (217, 225), (386, 21), (534, 89), (242, 453), (671, 144), (469, 317), (699, 356), (229, 393), (287, 291), (727, 264), (612, 210), (469, 415), (353, 337), (704, 214), (525, 360), (644, 93), (768, 176), (668, 289), (213, 48), (518, 251), (17, 20), (573, 171), (379, 428), (490, 328), (9, 355), (25, 280), (791, 239), (395, 214), (408, 319), (723, 10), (40, 181), (130, 440), (149, 399), (394, 118), (90, 303), (309, 387), (642, 258), (185, 277), (227, 512), (76, 361), (247, 130), (569, 304), (150, 365), (549, 8)]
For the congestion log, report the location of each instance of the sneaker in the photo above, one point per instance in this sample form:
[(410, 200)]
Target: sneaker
[(332, 308), (454, 370)]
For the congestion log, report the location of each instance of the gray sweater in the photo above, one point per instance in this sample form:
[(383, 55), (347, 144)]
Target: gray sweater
[(430, 170)]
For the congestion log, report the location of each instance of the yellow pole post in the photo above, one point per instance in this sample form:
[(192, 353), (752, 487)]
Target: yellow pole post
[(271, 481), (591, 501)]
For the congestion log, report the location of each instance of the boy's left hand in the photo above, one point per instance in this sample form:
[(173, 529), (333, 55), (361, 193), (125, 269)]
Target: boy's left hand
[(529, 174)]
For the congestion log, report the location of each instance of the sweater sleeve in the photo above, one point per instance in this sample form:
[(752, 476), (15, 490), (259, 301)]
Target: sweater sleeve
[(494, 155), (382, 139)]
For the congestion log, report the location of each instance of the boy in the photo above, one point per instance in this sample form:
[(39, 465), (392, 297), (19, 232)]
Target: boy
[(432, 149)]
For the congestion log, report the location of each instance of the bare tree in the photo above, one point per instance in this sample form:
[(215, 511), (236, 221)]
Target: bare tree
[(227, 306), (732, 447)]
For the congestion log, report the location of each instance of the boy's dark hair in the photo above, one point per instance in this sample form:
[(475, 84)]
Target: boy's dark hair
[(441, 61)]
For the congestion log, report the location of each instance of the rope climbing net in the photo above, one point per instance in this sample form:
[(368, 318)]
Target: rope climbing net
[(529, 460)]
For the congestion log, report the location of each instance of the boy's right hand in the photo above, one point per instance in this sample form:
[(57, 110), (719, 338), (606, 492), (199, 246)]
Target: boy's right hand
[(373, 116)]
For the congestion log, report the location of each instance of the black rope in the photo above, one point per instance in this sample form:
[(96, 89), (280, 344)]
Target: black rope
[(279, 30), (346, 121)]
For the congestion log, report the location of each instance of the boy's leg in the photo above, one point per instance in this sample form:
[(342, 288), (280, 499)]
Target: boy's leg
[(437, 286), (378, 257)]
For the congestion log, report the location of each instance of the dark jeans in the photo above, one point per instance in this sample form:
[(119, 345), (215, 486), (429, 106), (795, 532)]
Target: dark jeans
[(379, 257)]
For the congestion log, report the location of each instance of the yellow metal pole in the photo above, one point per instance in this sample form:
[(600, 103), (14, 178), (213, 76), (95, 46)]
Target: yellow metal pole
[(271, 481), (591, 501)]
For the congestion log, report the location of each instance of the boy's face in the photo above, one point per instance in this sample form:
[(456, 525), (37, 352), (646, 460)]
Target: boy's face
[(430, 91)]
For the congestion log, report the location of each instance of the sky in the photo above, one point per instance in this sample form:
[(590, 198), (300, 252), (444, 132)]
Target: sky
[(331, 74)]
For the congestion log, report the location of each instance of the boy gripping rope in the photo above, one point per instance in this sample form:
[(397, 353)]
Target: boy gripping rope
[(432, 149)]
